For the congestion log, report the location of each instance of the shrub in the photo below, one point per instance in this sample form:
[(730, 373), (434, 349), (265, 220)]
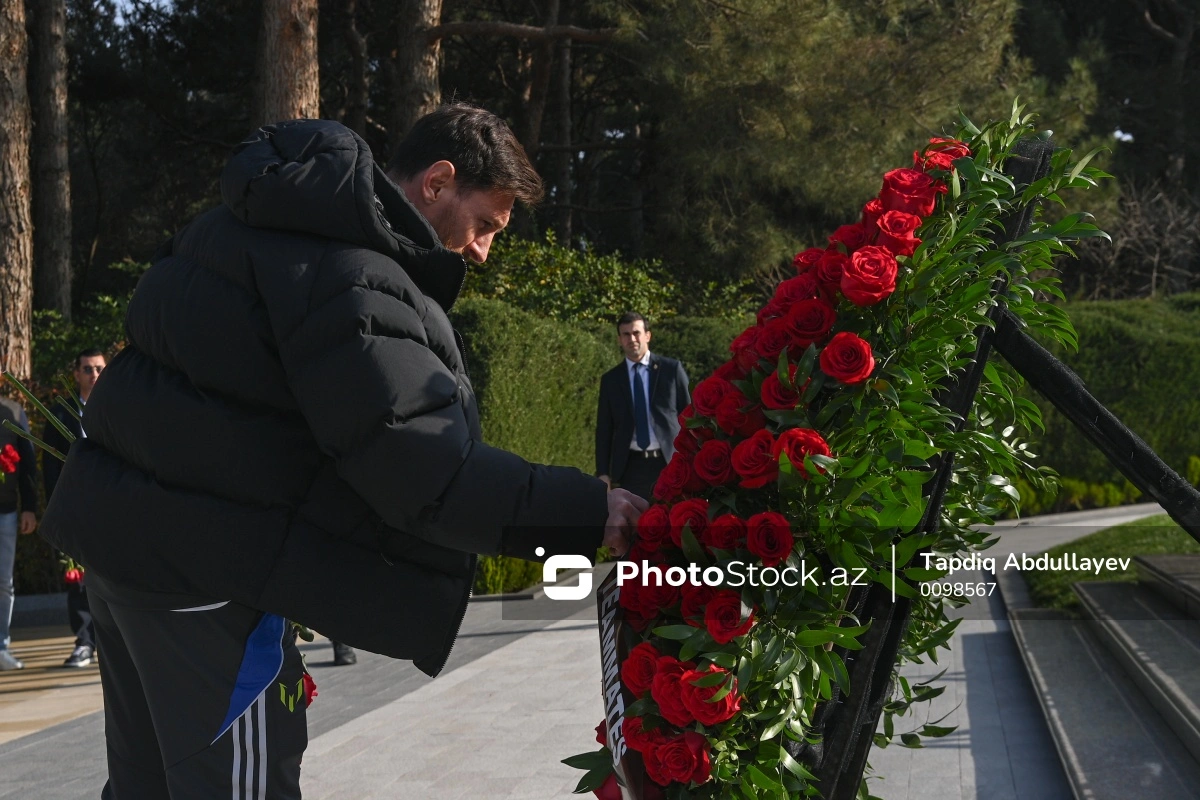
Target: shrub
[(502, 574)]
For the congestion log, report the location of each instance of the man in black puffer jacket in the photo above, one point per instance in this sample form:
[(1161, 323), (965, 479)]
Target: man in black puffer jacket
[(291, 434)]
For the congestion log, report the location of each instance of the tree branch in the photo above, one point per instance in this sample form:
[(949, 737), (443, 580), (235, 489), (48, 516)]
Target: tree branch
[(1158, 30), (609, 144), (528, 32)]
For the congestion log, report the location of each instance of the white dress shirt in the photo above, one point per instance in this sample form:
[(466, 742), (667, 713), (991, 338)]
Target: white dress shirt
[(633, 445)]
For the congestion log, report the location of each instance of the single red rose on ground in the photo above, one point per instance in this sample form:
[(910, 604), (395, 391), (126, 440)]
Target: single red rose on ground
[(709, 393), (692, 600), (795, 289), (665, 690), (726, 532), (685, 759), (639, 739), (769, 536), (737, 416), (870, 277), (809, 321), (777, 396), (798, 443), (654, 526), (871, 213), (723, 617), (773, 337), (847, 358), (911, 191), (712, 462), (830, 268), (692, 513), (851, 237), (610, 789), (310, 689), (940, 154), (637, 672), (896, 232), (808, 259), (753, 462), (698, 700)]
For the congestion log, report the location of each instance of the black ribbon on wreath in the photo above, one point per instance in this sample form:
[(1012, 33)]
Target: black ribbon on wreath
[(848, 722)]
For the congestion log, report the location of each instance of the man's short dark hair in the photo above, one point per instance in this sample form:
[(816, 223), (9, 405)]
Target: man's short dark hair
[(91, 352), (483, 149), (630, 317)]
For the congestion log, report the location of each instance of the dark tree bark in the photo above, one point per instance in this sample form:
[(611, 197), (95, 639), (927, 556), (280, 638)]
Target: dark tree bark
[(1177, 34), (539, 87), (51, 172), (288, 85), (16, 226), (563, 189), (418, 59), (358, 88)]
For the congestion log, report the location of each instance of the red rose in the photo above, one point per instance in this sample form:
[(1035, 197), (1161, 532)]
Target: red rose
[(800, 287), (692, 600), (743, 348), (896, 232), (723, 617), (752, 460), (775, 395), (698, 699), (769, 536), (871, 213), (640, 551), (830, 268), (673, 479), (798, 443), (730, 371), (685, 442), (709, 393), (637, 671), (847, 358), (653, 526), (692, 513), (712, 462), (726, 532), (870, 276), (655, 598), (808, 321), (773, 337), (738, 416), (684, 759), (940, 154), (73, 575), (602, 732), (808, 259), (665, 690), (911, 191), (851, 237), (774, 308), (9, 458), (640, 740), (610, 789), (310, 689)]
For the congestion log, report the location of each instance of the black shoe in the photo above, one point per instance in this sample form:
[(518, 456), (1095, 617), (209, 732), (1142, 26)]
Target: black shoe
[(81, 656), (343, 655)]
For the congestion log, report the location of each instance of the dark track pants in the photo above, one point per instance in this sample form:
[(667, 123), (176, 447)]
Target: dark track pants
[(200, 704)]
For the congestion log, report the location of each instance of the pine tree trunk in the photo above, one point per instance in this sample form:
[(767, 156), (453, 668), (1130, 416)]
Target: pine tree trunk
[(418, 60), (51, 171), (539, 87), (288, 85), (358, 88), (16, 226), (564, 190)]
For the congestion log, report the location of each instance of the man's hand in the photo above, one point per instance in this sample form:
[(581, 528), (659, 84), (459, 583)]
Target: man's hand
[(607, 481), (624, 508), (28, 522)]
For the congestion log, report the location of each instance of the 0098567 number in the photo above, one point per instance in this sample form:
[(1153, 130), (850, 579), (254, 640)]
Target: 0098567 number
[(943, 589)]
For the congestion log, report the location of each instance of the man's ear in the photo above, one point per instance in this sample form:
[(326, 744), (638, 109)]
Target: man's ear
[(437, 178)]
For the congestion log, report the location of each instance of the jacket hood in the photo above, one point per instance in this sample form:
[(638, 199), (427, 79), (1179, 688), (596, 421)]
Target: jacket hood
[(319, 177)]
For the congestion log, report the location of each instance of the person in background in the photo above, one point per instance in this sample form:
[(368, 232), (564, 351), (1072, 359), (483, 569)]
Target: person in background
[(640, 402), (88, 366), (18, 499)]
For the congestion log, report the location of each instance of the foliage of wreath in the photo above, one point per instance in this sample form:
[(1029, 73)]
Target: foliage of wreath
[(847, 510)]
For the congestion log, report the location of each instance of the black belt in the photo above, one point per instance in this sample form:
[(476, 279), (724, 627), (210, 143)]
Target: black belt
[(646, 453)]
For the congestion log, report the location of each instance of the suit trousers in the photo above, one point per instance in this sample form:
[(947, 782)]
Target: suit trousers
[(641, 473), (200, 704)]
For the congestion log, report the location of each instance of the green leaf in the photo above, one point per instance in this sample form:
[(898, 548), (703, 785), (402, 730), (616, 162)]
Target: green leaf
[(592, 781), (813, 638), (691, 547), (676, 633), (594, 760), (911, 740), (762, 780)]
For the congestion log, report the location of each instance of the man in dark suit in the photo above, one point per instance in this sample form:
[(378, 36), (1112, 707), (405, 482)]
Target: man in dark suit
[(640, 402)]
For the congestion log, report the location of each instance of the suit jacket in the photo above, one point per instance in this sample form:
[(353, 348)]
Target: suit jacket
[(614, 420)]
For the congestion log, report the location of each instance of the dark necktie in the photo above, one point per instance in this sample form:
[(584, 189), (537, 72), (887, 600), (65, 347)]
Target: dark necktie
[(641, 420)]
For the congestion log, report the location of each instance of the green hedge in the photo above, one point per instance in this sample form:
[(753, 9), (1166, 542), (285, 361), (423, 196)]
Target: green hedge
[(1141, 359)]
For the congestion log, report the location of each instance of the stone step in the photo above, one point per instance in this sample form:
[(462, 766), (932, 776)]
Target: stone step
[(1112, 742), (1175, 577), (1156, 644)]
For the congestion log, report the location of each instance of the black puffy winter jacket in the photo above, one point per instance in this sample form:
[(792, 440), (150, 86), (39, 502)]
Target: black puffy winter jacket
[(291, 425)]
